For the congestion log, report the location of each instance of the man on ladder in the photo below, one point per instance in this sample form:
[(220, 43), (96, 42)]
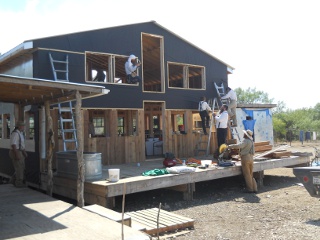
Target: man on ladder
[(232, 105), (203, 111)]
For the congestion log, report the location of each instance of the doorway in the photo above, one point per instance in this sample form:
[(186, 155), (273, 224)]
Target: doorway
[(154, 125)]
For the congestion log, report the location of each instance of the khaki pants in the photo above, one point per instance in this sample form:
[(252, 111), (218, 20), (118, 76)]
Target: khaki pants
[(232, 106), (247, 171), (19, 166)]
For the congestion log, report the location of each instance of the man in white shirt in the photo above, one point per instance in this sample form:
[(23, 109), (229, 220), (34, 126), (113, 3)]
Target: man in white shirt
[(18, 154), (232, 96), (203, 111), (131, 67), (222, 125)]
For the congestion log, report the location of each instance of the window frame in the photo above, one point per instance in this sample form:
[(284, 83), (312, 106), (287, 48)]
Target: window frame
[(186, 75)]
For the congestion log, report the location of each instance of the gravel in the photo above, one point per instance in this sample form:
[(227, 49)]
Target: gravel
[(282, 209)]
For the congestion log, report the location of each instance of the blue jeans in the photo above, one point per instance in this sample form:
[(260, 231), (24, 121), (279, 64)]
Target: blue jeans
[(131, 79)]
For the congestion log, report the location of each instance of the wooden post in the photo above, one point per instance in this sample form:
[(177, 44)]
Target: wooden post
[(81, 165), (50, 147)]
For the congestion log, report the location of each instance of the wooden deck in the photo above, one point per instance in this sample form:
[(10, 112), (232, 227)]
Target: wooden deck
[(29, 214), (167, 221), (103, 192)]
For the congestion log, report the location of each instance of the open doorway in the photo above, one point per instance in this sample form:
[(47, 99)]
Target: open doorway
[(154, 123), (152, 59)]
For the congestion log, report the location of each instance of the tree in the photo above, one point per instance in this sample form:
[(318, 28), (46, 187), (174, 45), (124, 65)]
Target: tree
[(284, 120), (251, 95)]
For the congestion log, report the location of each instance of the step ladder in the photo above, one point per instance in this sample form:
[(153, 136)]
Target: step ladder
[(201, 142), (60, 70)]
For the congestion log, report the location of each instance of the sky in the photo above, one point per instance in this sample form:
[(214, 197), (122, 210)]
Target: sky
[(273, 46)]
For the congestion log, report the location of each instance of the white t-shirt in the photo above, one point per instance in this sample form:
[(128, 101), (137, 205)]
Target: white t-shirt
[(222, 120), (17, 139)]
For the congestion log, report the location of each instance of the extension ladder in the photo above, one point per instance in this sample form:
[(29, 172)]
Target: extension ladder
[(60, 70), (220, 90)]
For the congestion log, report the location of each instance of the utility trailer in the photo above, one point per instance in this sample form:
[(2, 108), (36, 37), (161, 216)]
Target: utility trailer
[(310, 178)]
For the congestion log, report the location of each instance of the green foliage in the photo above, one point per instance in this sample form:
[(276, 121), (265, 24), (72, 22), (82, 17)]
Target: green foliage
[(284, 120), (251, 95)]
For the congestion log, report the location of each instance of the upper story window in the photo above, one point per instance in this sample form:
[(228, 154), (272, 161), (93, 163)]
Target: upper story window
[(105, 68), (186, 76)]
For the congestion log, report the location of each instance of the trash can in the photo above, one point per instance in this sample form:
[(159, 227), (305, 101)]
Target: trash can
[(67, 165)]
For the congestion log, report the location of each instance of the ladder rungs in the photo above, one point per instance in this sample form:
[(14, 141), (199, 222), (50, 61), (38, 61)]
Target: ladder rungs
[(69, 130), (65, 109), (70, 140), (66, 120), (59, 61), (58, 70)]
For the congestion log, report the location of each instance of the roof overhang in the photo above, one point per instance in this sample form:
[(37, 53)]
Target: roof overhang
[(33, 91), (17, 52), (256, 105)]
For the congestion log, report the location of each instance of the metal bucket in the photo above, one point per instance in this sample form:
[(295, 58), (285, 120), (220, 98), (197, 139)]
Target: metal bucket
[(67, 165)]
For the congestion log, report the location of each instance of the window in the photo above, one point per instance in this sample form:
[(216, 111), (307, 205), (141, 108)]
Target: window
[(127, 123), (186, 76), (178, 122), (120, 126), (30, 135), (105, 68), (98, 123)]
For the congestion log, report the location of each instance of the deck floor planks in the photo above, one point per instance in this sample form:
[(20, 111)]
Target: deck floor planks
[(163, 216), (31, 215), (167, 221)]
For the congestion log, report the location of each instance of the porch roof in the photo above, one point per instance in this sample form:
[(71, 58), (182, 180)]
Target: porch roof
[(32, 91)]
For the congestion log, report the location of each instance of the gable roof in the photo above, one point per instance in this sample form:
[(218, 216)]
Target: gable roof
[(27, 46)]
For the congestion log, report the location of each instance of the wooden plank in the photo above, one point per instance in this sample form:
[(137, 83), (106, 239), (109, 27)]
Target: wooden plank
[(261, 143), (263, 148), (281, 154), (271, 151), (186, 219), (166, 216), (49, 218), (110, 214), (167, 221)]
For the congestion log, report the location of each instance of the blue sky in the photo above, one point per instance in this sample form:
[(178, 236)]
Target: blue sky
[(273, 45)]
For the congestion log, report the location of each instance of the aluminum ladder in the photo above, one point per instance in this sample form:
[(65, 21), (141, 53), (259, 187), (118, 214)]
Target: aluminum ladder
[(234, 133), (214, 106), (60, 70), (221, 92)]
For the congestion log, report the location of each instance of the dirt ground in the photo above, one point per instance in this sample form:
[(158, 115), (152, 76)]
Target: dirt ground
[(282, 209)]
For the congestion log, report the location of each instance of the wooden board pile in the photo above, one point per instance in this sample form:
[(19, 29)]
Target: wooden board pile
[(264, 150)]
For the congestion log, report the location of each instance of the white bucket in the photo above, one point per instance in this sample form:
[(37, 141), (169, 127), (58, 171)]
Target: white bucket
[(114, 174)]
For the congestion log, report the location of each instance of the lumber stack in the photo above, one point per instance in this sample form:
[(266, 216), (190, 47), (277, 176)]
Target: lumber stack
[(280, 154), (262, 146)]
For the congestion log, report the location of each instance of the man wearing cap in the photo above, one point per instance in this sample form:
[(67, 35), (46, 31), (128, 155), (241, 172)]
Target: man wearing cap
[(246, 154), (18, 153), (130, 67)]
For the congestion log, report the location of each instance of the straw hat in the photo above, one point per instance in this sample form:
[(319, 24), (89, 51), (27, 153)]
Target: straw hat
[(249, 133)]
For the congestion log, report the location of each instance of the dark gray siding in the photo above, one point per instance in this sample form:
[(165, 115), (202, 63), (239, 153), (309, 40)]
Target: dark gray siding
[(126, 40)]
